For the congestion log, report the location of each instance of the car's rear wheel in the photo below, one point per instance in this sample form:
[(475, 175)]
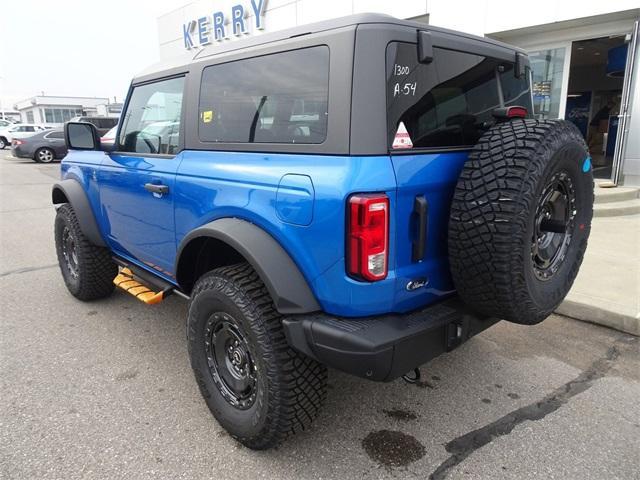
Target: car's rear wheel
[(258, 388), (44, 155), (88, 270), (3, 143), (520, 219)]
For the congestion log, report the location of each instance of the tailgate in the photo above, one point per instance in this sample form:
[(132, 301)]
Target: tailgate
[(425, 187)]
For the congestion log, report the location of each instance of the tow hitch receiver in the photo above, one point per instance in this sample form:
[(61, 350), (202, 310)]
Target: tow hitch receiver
[(126, 281), (457, 333)]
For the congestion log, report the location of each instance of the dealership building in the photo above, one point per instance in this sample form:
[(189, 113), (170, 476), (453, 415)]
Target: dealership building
[(585, 57), (53, 111)]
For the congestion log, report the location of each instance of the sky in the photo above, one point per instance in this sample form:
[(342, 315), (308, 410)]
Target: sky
[(76, 48)]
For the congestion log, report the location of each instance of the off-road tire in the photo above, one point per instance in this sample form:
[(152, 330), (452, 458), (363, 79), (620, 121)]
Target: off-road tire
[(95, 267), (291, 387), (492, 218)]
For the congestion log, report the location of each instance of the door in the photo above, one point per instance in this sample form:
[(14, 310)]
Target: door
[(55, 141), (625, 113), (137, 181), (436, 112)]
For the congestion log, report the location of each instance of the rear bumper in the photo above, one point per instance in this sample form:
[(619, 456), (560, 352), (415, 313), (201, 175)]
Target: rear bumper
[(20, 153), (384, 347)]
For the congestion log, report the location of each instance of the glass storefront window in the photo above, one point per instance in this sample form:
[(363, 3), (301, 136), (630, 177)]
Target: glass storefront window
[(547, 69), (61, 115)]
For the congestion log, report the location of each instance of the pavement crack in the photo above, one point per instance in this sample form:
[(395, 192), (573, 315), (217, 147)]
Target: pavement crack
[(463, 446), (27, 269)]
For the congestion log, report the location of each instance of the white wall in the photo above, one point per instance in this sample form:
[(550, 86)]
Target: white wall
[(482, 17), (279, 14)]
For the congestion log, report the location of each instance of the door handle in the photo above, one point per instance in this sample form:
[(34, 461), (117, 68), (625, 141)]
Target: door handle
[(420, 209), (154, 188)]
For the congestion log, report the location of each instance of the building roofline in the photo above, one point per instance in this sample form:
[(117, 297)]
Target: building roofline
[(61, 96), (311, 28)]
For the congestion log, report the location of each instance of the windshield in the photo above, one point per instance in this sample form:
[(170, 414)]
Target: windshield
[(448, 102)]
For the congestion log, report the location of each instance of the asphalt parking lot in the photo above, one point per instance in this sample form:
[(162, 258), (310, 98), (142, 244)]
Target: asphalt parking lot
[(105, 390)]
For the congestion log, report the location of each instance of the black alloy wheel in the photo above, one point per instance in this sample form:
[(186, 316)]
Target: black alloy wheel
[(553, 226), (69, 252), (230, 362)]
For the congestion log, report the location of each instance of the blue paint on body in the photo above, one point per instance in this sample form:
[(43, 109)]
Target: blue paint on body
[(300, 200)]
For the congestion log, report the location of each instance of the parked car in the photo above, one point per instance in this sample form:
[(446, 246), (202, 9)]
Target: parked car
[(43, 147), (5, 123), (18, 131), (364, 193), (102, 124)]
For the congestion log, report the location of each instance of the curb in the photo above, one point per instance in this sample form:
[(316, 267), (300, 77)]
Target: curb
[(600, 316), (616, 209)]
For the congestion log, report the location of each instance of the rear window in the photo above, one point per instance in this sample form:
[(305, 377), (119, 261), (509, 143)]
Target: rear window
[(278, 98), (55, 134), (448, 102)]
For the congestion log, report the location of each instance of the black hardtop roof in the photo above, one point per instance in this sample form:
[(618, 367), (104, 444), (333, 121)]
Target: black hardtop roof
[(171, 66)]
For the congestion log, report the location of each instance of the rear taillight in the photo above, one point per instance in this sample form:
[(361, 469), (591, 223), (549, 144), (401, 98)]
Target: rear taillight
[(514, 111), (18, 142), (368, 236)]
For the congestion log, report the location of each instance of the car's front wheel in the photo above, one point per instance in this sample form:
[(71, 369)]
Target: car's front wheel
[(87, 270), (44, 155), (258, 388)]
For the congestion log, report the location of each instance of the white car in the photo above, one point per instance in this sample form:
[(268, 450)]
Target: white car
[(17, 131)]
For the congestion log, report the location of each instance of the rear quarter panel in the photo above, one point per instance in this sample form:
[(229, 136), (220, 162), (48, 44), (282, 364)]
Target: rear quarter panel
[(244, 185)]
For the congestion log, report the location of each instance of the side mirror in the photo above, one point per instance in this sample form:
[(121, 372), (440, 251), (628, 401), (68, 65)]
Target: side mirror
[(81, 136)]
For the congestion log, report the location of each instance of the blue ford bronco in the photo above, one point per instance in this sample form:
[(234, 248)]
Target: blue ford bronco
[(364, 194)]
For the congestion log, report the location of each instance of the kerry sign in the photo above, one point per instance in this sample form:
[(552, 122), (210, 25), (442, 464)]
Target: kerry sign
[(220, 25)]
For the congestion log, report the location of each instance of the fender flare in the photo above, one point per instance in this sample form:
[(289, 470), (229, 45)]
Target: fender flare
[(71, 191), (282, 277)]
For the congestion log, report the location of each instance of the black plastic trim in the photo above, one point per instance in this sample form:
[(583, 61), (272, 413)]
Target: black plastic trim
[(286, 284), (383, 348), (73, 192), (419, 243)]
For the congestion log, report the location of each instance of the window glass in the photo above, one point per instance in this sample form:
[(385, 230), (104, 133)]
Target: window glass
[(48, 115), (278, 98), (151, 123), (30, 117), (106, 122), (55, 135), (547, 68), (448, 102)]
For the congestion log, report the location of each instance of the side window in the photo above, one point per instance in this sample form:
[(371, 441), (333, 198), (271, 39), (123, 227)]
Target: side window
[(55, 135), (448, 102), (277, 98), (29, 129), (151, 123)]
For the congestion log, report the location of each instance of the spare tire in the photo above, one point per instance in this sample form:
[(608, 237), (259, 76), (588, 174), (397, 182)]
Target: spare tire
[(520, 219)]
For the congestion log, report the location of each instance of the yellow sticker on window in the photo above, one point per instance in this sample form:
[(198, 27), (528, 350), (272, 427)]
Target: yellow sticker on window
[(207, 116)]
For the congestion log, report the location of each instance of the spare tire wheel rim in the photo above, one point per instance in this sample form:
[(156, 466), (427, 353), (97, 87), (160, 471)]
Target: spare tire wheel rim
[(230, 362), (553, 225), (69, 252)]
